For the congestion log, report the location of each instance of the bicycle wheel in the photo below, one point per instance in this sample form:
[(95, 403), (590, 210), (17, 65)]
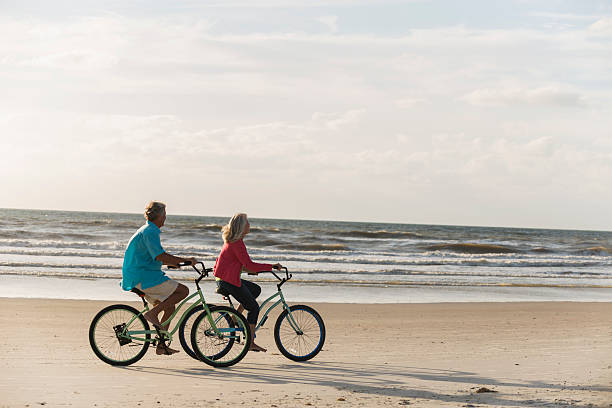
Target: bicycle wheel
[(228, 344), (302, 345), (110, 339), (186, 327)]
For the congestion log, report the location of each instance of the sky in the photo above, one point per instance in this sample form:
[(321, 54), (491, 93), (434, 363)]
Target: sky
[(494, 113)]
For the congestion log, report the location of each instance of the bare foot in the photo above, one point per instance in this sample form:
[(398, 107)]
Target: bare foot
[(165, 350), (255, 347)]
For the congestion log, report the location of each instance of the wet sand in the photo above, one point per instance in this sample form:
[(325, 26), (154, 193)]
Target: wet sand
[(552, 354)]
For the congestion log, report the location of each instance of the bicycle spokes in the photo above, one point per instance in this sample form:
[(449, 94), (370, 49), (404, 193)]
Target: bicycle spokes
[(299, 333), (110, 335), (220, 338)]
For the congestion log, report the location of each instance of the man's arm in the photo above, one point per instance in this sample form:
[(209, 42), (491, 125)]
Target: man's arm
[(172, 260)]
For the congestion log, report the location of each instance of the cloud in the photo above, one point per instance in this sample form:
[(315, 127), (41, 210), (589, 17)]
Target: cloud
[(549, 95), (70, 60), (602, 27), (408, 103), (335, 121), (169, 55), (295, 3), (330, 21), (565, 16), (124, 140)]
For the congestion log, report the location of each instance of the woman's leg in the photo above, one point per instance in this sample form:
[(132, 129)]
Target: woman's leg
[(254, 288), (246, 299)]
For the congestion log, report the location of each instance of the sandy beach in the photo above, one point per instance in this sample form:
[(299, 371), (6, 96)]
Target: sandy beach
[(550, 354)]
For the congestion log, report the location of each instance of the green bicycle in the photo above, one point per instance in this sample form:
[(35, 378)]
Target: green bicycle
[(299, 332), (119, 334)]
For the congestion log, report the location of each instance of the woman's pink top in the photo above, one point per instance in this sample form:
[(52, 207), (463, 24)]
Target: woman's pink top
[(232, 258)]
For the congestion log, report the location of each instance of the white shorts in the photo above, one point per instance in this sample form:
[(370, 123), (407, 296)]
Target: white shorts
[(159, 293)]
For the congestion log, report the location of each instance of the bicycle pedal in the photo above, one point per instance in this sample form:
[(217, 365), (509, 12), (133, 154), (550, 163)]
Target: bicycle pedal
[(119, 329)]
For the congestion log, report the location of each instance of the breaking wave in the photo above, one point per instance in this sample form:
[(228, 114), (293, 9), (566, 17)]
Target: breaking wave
[(599, 250), (375, 234), (48, 243), (352, 280), (473, 248), (313, 247)]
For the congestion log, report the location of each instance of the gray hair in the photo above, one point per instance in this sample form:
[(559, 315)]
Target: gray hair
[(153, 210), (234, 230)]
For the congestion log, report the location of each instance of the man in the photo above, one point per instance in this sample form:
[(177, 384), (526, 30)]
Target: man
[(142, 264)]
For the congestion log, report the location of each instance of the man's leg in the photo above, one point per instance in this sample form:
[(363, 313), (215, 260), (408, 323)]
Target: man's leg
[(167, 307)]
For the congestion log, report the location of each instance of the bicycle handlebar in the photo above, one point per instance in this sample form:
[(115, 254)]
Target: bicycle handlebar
[(204, 272), (287, 274), (282, 280)]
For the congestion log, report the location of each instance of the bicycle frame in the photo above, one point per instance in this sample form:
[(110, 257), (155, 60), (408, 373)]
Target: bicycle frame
[(132, 333), (201, 300), (281, 300)]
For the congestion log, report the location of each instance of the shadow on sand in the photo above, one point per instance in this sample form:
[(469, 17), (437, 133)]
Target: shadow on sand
[(375, 379)]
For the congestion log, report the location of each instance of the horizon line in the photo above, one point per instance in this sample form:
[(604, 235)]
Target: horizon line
[(315, 220)]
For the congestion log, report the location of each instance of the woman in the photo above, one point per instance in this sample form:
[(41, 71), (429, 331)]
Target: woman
[(232, 260)]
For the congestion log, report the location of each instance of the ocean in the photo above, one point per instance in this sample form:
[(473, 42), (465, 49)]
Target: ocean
[(338, 258)]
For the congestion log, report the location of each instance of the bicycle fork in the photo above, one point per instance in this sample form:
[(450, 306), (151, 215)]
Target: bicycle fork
[(292, 322)]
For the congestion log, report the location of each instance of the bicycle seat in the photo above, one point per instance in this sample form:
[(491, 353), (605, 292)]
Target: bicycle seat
[(138, 292)]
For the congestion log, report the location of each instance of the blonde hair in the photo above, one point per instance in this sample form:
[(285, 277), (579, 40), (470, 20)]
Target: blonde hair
[(154, 209), (234, 230)]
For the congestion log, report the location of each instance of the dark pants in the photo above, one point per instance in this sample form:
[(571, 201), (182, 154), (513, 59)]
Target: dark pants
[(245, 294)]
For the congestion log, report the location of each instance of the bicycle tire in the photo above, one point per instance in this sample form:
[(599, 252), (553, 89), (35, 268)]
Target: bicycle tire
[(184, 343), (296, 346), (106, 343), (214, 349)]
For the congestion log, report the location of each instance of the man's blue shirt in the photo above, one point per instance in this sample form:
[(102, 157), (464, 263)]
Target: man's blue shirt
[(139, 264)]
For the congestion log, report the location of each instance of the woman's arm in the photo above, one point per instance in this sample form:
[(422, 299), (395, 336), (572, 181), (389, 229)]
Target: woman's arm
[(241, 253)]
